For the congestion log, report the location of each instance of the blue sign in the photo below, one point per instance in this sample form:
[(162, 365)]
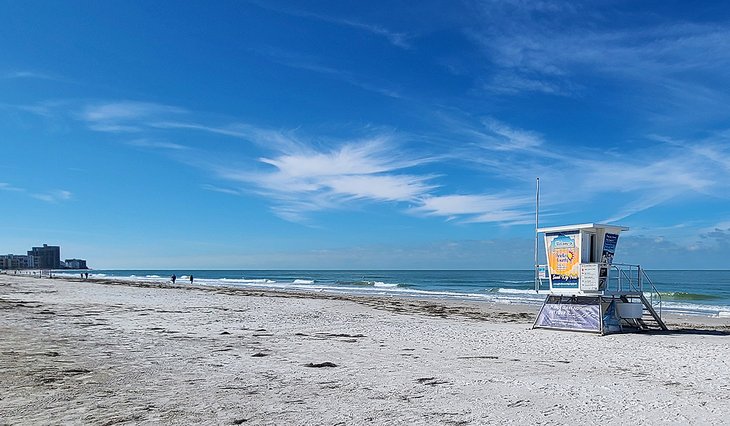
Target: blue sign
[(609, 248)]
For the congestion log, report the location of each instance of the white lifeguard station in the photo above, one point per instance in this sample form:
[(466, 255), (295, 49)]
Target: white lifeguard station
[(585, 290)]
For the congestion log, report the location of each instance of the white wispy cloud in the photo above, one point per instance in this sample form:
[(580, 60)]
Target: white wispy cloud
[(266, 138), (8, 187), (53, 196), (214, 188), (564, 48), (398, 187), (629, 181), (47, 109), (461, 133), (713, 148), (361, 157), (156, 144), (125, 116), (301, 178), (306, 180), (640, 180), (502, 208), (310, 179), (399, 39), (301, 175), (27, 74), (508, 83), (511, 138), (644, 201), (303, 62)]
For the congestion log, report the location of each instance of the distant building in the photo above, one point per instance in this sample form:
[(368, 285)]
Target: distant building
[(16, 261), (75, 264), (46, 257)]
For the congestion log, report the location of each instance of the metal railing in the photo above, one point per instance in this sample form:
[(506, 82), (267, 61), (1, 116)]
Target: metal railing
[(624, 280), (654, 294), (622, 277), (634, 278)]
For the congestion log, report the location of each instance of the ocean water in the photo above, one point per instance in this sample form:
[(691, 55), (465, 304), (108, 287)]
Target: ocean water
[(690, 292)]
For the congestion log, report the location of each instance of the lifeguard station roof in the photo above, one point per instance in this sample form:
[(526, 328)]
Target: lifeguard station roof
[(593, 226)]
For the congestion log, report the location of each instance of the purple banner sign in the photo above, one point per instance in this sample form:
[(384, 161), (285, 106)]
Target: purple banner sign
[(570, 316)]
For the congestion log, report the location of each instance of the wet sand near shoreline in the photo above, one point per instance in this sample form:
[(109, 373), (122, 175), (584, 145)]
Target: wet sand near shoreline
[(111, 352)]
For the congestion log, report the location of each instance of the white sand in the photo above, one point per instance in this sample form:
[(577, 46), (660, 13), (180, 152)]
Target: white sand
[(87, 353)]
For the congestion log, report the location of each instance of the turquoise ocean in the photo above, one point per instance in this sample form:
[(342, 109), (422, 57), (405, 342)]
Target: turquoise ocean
[(690, 292)]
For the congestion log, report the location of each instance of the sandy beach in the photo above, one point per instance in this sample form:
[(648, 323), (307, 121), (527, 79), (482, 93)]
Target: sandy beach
[(75, 352)]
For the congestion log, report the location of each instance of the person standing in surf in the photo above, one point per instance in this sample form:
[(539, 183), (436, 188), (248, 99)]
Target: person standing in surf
[(173, 278)]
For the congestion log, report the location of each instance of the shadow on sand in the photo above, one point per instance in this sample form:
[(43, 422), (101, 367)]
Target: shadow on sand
[(689, 331)]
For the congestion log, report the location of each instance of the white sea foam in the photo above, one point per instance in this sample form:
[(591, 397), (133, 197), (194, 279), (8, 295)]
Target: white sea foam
[(516, 291), (695, 308), (382, 284), (247, 280), (298, 281), (67, 274)]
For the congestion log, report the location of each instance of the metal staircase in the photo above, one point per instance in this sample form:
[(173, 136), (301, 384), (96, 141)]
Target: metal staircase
[(641, 289)]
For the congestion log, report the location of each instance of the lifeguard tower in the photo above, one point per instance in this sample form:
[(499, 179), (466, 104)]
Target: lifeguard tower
[(585, 290)]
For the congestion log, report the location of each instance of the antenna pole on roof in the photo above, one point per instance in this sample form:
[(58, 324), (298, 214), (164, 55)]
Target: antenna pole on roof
[(537, 225)]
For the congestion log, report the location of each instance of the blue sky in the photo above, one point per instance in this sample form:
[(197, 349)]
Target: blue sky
[(330, 134)]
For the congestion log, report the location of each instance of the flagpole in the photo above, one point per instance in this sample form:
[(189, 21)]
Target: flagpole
[(537, 224)]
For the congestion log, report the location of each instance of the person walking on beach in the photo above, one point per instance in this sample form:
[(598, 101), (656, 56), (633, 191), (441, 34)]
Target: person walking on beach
[(191, 279), (173, 278)]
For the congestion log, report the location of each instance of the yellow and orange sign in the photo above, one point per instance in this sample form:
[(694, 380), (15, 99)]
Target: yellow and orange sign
[(563, 253)]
